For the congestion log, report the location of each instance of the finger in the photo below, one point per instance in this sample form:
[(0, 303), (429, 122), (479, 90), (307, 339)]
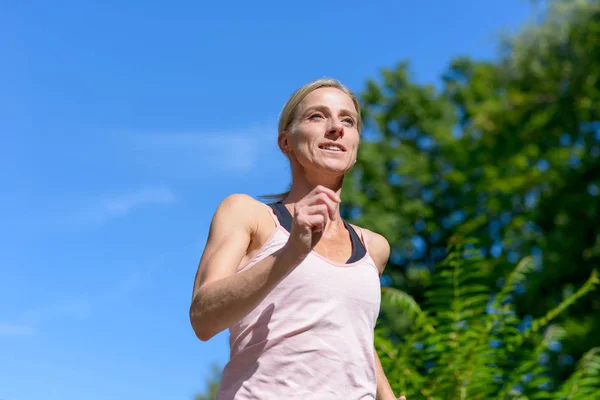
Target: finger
[(322, 198), (304, 213), (317, 222), (401, 398), (320, 210), (319, 200), (330, 193)]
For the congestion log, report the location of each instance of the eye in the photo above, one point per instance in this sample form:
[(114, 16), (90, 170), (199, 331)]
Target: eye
[(349, 121), (315, 116)]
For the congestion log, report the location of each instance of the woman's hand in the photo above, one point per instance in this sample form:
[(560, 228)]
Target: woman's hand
[(310, 217)]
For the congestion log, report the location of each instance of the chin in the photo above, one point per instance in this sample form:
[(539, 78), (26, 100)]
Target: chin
[(335, 169), (326, 167)]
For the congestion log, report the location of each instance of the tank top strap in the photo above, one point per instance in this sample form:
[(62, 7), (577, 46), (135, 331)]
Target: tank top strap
[(363, 237), (272, 213)]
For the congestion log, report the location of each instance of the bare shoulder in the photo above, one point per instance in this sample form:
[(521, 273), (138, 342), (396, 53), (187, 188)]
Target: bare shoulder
[(235, 213), (232, 229), (238, 207), (241, 212), (378, 247), (239, 200), (237, 203)]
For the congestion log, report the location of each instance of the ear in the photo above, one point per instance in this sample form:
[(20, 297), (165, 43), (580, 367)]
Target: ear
[(284, 143)]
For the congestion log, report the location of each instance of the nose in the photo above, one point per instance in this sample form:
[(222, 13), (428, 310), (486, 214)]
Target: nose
[(335, 128)]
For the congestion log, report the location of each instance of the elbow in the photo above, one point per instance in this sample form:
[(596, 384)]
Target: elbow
[(203, 336), (200, 327)]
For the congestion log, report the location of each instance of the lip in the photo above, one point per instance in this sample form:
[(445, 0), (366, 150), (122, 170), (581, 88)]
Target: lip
[(341, 146)]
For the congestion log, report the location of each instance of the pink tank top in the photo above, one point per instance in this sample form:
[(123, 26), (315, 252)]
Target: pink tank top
[(311, 337)]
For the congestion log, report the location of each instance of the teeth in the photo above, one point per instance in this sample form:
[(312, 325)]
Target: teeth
[(329, 147)]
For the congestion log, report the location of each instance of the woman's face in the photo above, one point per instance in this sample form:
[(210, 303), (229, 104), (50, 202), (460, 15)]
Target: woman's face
[(324, 135)]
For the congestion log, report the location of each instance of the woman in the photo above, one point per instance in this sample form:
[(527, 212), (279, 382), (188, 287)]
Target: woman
[(296, 285)]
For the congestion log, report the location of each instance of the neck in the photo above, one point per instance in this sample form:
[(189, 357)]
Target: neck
[(303, 184)]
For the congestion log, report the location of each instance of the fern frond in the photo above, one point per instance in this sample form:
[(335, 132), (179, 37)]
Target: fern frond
[(541, 322), (407, 304), (516, 277), (529, 365), (459, 349), (585, 381)]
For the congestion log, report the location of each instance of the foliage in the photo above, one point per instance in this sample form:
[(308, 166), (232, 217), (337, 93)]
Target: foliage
[(468, 343), (508, 151), (212, 385)]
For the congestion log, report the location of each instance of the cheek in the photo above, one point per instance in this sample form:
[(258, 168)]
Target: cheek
[(354, 143), (300, 138), (299, 143)]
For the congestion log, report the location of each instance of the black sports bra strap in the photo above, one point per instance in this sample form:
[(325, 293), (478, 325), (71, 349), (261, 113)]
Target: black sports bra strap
[(358, 248), (283, 215), (286, 219)]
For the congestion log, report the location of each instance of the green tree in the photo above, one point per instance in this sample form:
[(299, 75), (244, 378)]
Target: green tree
[(508, 151), (212, 385), (467, 342)]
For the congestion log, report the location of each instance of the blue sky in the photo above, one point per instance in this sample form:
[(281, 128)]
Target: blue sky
[(123, 125)]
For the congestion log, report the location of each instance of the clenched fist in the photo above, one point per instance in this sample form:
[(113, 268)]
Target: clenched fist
[(311, 215)]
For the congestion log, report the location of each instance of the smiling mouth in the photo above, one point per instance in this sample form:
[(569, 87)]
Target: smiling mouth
[(332, 147)]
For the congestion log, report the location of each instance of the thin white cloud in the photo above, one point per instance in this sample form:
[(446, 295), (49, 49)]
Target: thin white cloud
[(130, 282), (9, 329), (119, 205), (123, 204), (69, 310), (33, 320), (205, 152), (72, 308)]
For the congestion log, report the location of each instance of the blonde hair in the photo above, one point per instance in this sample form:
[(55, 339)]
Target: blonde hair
[(288, 113)]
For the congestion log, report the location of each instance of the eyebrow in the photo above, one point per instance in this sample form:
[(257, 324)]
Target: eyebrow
[(325, 110)]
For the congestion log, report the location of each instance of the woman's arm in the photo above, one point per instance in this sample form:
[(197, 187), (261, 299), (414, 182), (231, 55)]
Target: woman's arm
[(384, 390), (221, 296), (379, 249)]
